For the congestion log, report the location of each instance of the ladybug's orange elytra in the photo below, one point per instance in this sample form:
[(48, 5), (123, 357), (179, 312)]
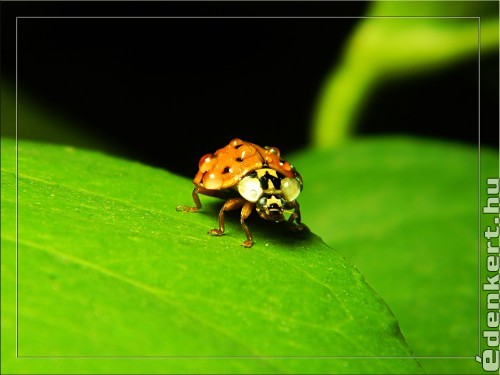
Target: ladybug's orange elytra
[(249, 176)]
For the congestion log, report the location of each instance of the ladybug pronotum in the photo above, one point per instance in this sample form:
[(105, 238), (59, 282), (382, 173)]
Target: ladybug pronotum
[(249, 176)]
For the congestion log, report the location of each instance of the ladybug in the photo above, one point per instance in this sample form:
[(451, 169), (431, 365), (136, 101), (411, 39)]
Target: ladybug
[(249, 176)]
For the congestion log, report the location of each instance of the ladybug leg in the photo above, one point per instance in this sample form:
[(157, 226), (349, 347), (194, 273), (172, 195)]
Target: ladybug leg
[(245, 212), (197, 201), (295, 216), (231, 204)]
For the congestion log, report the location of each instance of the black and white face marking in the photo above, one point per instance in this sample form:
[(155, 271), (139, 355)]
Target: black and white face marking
[(270, 180), (271, 207), (271, 191)]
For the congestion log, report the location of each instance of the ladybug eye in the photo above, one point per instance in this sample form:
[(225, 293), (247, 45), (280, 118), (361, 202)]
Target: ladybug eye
[(250, 189), (290, 188)]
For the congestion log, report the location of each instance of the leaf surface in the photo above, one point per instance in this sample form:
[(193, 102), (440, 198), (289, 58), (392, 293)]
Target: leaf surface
[(112, 279), (405, 212)]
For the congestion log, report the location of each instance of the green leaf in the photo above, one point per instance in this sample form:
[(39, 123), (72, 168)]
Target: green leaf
[(405, 212), (107, 267), (399, 39)]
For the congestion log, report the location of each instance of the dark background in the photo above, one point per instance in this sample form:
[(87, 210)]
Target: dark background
[(165, 91)]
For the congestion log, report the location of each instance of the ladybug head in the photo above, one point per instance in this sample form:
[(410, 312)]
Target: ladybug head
[(271, 207), (270, 191)]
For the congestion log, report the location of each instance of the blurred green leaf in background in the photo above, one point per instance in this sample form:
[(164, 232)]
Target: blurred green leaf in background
[(107, 269), (397, 40), (404, 211), (408, 207)]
